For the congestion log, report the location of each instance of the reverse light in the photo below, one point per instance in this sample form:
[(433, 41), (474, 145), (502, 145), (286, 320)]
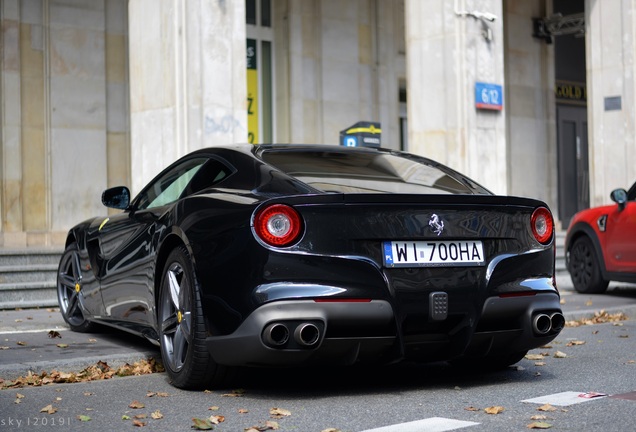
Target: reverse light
[(542, 225), (278, 225)]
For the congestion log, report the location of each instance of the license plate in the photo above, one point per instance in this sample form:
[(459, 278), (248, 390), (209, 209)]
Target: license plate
[(433, 253)]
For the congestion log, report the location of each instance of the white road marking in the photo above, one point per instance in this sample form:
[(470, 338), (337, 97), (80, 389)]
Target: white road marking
[(562, 399), (59, 329), (433, 424)]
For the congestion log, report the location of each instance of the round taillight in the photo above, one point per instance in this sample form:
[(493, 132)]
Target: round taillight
[(278, 225), (542, 225)]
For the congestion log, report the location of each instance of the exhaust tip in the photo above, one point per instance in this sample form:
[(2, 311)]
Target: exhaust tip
[(557, 321), (307, 334), (541, 324), (276, 335)]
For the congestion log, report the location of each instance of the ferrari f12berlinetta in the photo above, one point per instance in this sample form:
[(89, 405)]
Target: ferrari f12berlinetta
[(277, 255)]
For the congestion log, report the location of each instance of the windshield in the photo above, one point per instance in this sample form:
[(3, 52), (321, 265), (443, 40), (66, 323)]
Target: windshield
[(369, 172)]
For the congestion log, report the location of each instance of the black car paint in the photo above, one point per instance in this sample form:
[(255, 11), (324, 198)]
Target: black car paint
[(491, 305)]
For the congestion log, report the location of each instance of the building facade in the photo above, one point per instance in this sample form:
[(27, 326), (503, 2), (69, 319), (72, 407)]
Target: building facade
[(528, 97)]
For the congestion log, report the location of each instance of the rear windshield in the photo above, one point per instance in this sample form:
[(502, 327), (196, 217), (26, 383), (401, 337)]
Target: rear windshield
[(369, 172)]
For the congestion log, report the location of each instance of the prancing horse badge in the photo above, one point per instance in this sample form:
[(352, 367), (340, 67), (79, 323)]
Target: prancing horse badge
[(436, 225)]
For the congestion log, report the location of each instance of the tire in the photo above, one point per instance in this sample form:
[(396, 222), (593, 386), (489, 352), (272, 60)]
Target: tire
[(585, 268), (182, 329), (69, 284)]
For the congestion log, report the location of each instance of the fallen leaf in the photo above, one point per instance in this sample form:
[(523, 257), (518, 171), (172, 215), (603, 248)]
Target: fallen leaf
[(61, 345), (49, 409), (539, 417), (140, 416), (92, 340), (201, 424), (136, 405), (471, 408), (235, 393), (540, 363), (560, 354), (546, 408), (125, 417), (269, 425), (330, 430), (54, 334), (278, 413), (575, 343), (213, 408), (156, 415), (494, 410), (534, 356), (88, 394), (83, 418), (138, 423), (18, 320), (217, 419), (242, 411), (21, 343), (623, 336), (539, 425)]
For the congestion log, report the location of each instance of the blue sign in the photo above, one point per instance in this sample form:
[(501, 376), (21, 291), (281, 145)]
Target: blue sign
[(350, 141), (488, 96)]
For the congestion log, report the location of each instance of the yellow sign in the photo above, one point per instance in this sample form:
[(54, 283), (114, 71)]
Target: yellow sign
[(252, 93)]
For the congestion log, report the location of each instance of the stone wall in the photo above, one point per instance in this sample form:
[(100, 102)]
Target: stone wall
[(64, 114)]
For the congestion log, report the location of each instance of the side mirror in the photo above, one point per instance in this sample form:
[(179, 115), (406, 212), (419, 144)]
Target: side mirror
[(619, 196), (116, 197)]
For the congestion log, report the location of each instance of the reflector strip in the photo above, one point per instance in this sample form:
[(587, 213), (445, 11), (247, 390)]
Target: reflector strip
[(341, 300), (518, 294)]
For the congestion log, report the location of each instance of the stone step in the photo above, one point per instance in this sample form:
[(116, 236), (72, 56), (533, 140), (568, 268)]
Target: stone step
[(30, 273), (28, 277), (28, 295)]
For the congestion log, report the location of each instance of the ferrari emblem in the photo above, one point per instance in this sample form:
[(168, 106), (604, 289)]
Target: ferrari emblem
[(77, 287), (179, 316), (436, 225)]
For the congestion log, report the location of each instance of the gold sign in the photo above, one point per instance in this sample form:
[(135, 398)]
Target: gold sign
[(570, 92)]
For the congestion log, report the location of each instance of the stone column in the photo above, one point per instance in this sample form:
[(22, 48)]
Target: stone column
[(611, 96), (450, 46), (11, 152), (187, 80)]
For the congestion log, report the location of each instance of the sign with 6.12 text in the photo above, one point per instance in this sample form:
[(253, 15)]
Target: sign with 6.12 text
[(488, 96)]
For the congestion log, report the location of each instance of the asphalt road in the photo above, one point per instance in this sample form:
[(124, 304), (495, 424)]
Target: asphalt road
[(418, 397)]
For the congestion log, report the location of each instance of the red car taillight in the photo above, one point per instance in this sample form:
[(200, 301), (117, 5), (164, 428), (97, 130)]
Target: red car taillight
[(542, 225), (278, 225)]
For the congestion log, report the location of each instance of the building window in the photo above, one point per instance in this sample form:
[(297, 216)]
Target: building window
[(404, 130), (260, 71)]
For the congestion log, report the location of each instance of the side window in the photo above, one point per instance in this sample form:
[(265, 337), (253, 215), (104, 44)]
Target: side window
[(169, 187), (209, 174)]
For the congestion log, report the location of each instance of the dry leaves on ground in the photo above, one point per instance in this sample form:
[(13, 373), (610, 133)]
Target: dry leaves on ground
[(98, 371), (600, 317)]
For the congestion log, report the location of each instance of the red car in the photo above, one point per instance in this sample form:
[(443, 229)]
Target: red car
[(600, 245)]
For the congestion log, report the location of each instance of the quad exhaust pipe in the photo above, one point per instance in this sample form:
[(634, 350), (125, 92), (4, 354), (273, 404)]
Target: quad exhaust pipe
[(277, 335), (543, 323)]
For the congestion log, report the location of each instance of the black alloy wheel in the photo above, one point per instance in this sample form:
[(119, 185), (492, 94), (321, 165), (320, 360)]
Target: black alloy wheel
[(69, 285), (182, 327), (585, 269)]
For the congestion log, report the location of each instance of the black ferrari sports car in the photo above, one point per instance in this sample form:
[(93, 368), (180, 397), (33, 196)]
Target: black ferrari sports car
[(281, 255)]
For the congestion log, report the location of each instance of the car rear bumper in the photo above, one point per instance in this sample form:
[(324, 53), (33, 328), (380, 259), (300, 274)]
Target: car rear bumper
[(300, 332)]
